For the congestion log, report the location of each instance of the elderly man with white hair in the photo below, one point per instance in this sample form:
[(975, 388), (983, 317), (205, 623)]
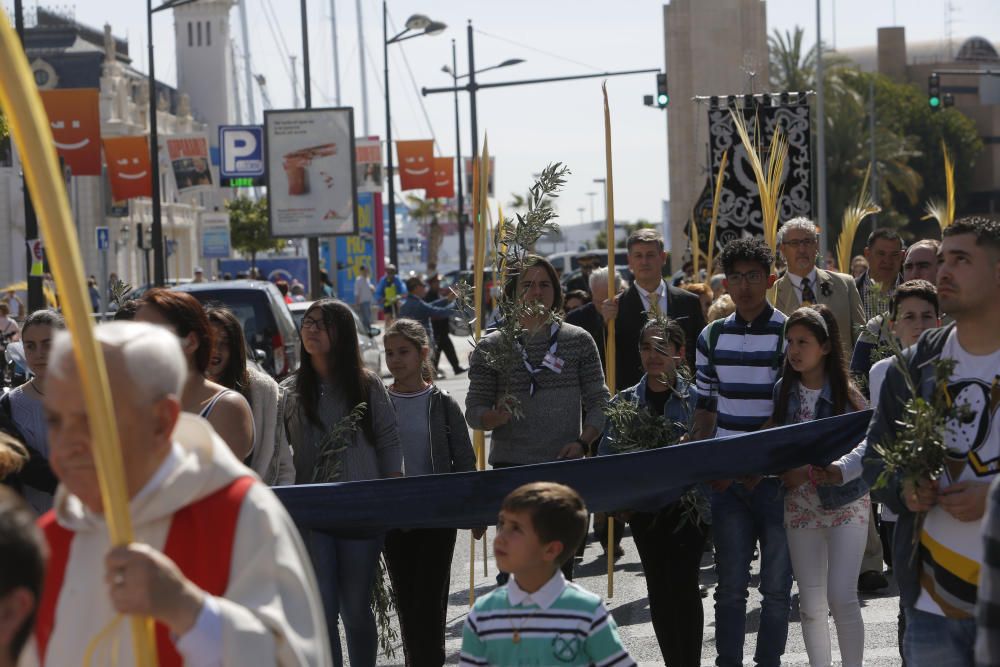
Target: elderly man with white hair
[(588, 316), (805, 284), (216, 562)]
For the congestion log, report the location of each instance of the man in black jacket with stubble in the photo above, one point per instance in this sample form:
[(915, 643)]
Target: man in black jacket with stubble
[(646, 259)]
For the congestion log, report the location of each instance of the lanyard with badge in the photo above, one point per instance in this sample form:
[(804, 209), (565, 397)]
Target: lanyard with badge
[(550, 361)]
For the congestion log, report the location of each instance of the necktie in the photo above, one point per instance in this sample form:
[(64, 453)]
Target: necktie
[(808, 296), (654, 303)]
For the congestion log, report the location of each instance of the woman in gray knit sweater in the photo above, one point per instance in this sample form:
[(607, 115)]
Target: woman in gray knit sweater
[(556, 378), (329, 384)]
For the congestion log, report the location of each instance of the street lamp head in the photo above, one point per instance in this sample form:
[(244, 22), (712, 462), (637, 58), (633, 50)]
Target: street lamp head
[(512, 61), (447, 70), (435, 28), (417, 22)]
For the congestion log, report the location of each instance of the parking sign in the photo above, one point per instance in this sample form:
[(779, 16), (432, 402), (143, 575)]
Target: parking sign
[(241, 155)]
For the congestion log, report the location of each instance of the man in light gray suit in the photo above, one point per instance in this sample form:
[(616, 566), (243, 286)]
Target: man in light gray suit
[(805, 284)]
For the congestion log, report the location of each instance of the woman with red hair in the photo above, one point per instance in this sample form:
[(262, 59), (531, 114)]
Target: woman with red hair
[(226, 410)]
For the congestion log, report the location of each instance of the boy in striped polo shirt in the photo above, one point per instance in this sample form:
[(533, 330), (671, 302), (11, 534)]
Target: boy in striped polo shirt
[(539, 618), (739, 359)]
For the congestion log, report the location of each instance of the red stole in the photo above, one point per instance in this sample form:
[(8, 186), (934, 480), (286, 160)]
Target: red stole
[(200, 541)]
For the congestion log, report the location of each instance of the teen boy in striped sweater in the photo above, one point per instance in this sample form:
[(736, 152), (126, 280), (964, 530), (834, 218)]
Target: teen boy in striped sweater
[(739, 360), (539, 618)]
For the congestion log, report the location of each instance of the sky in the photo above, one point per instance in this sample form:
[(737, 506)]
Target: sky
[(528, 126)]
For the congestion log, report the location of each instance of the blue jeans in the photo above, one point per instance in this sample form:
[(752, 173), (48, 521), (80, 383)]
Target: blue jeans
[(741, 518), (365, 313), (345, 574), (938, 641)]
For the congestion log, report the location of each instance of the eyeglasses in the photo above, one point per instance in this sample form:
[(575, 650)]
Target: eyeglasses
[(311, 323), (752, 277), (795, 244)]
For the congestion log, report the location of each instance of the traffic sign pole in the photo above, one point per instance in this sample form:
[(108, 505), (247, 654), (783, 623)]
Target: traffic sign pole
[(103, 242)]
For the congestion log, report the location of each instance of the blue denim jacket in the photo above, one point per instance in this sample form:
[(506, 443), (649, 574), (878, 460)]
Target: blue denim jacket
[(676, 411), (830, 497)]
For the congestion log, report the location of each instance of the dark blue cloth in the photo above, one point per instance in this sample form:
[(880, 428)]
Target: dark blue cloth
[(642, 479)]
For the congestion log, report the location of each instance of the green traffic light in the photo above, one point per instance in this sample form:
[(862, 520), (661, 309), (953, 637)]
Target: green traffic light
[(662, 99), (935, 102)]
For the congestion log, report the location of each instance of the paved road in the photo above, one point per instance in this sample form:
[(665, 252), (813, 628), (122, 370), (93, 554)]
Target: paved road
[(631, 611)]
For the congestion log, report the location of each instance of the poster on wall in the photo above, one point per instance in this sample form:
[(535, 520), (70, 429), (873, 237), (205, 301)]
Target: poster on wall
[(353, 252), (128, 166), (215, 238), (189, 162), (310, 160), (369, 174), (75, 118)]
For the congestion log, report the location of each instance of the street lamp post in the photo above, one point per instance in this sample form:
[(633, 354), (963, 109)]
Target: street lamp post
[(472, 87), (453, 71), (159, 275), (463, 256), (426, 27)]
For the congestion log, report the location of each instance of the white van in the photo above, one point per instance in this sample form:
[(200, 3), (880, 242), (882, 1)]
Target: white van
[(567, 262)]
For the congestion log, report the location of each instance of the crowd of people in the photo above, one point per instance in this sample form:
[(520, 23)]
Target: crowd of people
[(743, 351)]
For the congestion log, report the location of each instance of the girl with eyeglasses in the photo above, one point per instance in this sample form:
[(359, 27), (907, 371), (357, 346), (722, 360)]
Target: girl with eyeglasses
[(329, 385)]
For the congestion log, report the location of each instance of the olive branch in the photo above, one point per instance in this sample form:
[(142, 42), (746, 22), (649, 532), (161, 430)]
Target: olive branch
[(329, 468), (918, 449), (514, 240), (637, 429)]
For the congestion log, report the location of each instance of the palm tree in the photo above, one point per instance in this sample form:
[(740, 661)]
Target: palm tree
[(791, 69), (425, 212), (848, 153)]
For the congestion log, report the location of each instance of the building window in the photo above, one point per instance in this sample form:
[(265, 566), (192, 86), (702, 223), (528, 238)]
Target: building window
[(199, 33), (208, 33), (190, 34)]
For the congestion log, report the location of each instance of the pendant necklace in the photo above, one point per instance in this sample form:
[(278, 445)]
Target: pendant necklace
[(516, 634)]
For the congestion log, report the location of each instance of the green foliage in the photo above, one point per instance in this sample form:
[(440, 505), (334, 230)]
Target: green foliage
[(249, 228), (119, 290), (918, 449), (908, 134), (636, 429), (329, 465), (512, 242), (329, 468)]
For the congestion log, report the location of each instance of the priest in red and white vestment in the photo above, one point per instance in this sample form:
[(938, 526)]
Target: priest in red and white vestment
[(216, 561)]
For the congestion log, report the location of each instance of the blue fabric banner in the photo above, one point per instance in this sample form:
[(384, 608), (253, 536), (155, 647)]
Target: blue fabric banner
[(646, 479)]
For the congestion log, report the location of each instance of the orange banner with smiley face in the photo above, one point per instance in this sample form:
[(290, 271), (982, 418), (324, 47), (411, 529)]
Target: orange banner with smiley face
[(128, 166), (75, 117), (416, 164), (444, 178)]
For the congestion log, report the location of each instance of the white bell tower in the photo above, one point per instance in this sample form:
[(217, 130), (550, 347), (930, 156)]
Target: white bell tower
[(204, 62)]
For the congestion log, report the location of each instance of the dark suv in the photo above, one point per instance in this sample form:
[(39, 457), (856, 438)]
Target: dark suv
[(261, 309)]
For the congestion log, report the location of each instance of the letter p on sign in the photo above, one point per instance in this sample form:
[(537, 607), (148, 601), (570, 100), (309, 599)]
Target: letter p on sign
[(242, 151)]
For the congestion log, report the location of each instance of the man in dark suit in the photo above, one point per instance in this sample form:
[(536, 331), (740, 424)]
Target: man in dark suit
[(646, 259)]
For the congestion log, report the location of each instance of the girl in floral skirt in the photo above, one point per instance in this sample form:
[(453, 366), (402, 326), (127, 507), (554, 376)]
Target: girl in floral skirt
[(826, 524)]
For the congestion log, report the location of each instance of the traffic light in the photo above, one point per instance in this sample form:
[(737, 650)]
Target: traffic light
[(934, 92), (662, 97)]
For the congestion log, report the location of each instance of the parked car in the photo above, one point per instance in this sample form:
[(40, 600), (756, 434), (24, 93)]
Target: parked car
[(371, 347), (566, 262), (260, 308)]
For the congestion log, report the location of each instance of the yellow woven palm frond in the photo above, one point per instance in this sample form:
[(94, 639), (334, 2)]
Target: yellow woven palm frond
[(853, 215), (710, 258), (695, 246), (769, 180), (944, 212)]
